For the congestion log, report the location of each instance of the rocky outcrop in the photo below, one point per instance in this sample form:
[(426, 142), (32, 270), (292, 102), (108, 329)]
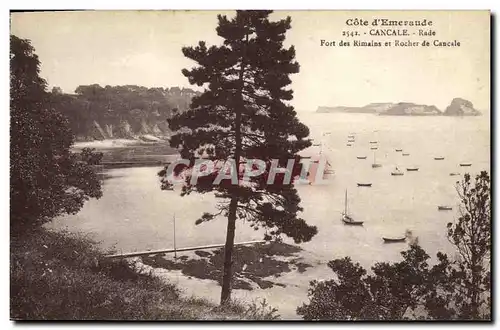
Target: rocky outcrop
[(156, 130), (411, 109), (461, 107), (101, 131), (458, 107), (386, 108), (97, 132), (379, 107), (109, 130), (145, 129), (124, 130), (116, 112)]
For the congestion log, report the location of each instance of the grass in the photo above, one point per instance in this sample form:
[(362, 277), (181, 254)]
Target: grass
[(63, 276)]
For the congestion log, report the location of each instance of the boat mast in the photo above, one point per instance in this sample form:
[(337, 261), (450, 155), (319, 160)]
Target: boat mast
[(175, 245), (345, 203)]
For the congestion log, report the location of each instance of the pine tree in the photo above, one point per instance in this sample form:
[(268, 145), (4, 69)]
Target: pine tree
[(243, 115)]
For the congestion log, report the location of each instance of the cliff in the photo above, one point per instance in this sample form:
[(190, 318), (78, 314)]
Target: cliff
[(385, 108), (124, 131), (458, 107), (411, 109), (129, 111), (379, 107), (461, 107)]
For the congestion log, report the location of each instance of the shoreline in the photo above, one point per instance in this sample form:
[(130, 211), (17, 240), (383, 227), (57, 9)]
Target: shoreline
[(272, 271)]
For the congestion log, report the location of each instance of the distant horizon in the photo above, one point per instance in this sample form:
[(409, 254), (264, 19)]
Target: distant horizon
[(199, 89), (144, 48), (397, 102)]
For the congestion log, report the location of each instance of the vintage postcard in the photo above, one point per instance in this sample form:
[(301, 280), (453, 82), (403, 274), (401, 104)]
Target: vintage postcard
[(250, 165)]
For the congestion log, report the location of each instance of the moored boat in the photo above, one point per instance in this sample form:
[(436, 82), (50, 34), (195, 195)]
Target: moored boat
[(406, 154), (397, 171), (361, 157), (351, 222), (454, 173), (438, 158), (465, 164), (393, 240), (399, 150), (346, 218), (364, 184), (373, 148), (410, 169), (444, 208), (408, 234)]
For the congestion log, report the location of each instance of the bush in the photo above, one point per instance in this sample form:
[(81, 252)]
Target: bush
[(63, 276)]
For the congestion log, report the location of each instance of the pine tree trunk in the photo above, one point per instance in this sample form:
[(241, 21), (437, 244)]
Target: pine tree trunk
[(231, 219), (228, 253), (231, 225)]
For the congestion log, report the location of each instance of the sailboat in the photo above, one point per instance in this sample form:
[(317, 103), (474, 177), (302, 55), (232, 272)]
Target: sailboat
[(397, 172), (328, 169), (375, 164), (346, 218)]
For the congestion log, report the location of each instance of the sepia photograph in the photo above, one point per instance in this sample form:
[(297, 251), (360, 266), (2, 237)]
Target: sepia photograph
[(246, 165)]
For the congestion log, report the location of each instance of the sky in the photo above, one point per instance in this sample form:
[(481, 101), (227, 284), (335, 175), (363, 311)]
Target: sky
[(144, 48)]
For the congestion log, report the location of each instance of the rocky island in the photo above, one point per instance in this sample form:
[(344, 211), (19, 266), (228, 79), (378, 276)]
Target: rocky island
[(461, 107), (411, 109), (458, 107)]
